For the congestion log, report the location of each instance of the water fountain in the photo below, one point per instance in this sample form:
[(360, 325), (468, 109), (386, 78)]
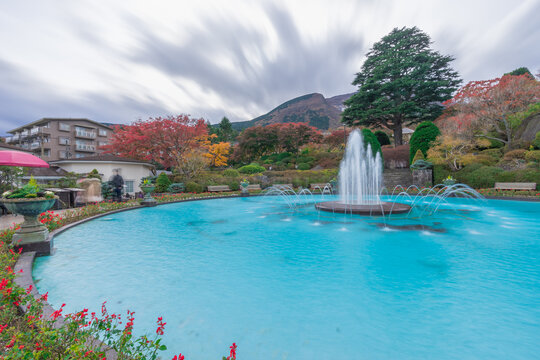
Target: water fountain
[(360, 182)]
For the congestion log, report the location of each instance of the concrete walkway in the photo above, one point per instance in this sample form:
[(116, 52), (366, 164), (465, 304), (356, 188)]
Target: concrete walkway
[(7, 220)]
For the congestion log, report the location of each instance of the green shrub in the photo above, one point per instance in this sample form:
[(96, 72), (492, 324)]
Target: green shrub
[(251, 169), (94, 174), (162, 183), (382, 137), (536, 141), (234, 185), (440, 172), (423, 137), (304, 166), (479, 159), (176, 188), (418, 156), (515, 154), (193, 187), (371, 139), (231, 173), (484, 177), (533, 155), (517, 118), (494, 153)]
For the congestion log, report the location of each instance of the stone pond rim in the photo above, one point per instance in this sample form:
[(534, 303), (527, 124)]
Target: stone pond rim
[(383, 208)]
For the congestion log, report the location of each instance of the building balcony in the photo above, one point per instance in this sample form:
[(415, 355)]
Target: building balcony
[(83, 147), (85, 134)]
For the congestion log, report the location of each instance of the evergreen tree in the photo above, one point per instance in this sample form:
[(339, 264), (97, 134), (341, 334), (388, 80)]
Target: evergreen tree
[(422, 138), (382, 137), (371, 139), (401, 82)]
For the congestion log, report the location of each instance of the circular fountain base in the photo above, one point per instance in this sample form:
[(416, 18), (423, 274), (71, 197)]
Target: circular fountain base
[(383, 208)]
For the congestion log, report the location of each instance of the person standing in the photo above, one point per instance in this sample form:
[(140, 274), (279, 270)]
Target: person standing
[(118, 184)]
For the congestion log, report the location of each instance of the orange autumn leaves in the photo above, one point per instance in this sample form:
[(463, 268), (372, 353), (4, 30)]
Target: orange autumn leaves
[(170, 141)]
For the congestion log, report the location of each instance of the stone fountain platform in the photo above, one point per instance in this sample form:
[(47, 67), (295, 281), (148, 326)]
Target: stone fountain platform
[(383, 208)]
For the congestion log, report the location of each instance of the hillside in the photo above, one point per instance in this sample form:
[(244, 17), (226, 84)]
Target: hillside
[(311, 108)]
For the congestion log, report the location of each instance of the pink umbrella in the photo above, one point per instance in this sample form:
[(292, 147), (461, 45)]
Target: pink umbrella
[(19, 158)]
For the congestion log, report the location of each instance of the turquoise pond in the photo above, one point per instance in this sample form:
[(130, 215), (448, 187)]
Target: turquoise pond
[(465, 284)]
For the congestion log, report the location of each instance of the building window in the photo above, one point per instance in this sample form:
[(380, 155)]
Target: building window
[(63, 127), (129, 186), (102, 143), (102, 132), (79, 155), (64, 141), (47, 152), (84, 132)]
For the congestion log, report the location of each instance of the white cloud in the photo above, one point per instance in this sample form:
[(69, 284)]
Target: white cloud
[(118, 61)]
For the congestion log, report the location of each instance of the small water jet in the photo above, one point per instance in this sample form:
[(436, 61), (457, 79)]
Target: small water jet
[(360, 182)]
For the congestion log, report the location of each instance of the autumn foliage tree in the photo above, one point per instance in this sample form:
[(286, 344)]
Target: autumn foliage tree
[(218, 153), (260, 140), (164, 140), (485, 106)]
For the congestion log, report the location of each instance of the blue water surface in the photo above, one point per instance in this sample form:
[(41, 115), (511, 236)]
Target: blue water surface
[(283, 284)]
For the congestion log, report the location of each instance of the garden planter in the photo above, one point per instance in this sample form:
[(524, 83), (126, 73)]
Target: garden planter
[(32, 236), (244, 188), (148, 199)]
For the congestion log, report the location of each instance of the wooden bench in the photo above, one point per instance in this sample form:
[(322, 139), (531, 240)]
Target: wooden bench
[(320, 187), (254, 187), (515, 186), (218, 188)]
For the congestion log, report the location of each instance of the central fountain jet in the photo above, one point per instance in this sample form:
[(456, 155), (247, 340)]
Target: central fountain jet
[(360, 182)]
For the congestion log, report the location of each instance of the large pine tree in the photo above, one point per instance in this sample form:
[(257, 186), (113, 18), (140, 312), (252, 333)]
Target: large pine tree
[(401, 82)]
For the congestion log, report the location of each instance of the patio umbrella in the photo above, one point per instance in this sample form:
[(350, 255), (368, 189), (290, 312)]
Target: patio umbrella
[(19, 158)]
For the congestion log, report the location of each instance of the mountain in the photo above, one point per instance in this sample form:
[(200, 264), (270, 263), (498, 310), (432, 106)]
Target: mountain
[(311, 108)]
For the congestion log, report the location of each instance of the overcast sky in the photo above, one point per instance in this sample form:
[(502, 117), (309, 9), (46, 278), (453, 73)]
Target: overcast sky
[(118, 61)]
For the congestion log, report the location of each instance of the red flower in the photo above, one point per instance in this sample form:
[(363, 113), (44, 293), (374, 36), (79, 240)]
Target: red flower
[(179, 357), (232, 356)]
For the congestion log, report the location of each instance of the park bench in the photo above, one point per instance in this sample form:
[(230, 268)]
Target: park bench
[(254, 187), (515, 186), (218, 188), (320, 187)]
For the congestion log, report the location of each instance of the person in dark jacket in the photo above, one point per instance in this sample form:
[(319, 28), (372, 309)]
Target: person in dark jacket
[(118, 184)]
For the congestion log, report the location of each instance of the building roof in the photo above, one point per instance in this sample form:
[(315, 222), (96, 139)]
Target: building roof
[(43, 120), (102, 158), (52, 171), (407, 131), (13, 147)]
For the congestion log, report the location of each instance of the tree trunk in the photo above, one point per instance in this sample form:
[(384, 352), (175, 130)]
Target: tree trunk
[(398, 135)]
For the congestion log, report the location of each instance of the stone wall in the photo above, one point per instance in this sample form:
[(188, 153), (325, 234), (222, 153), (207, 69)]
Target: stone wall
[(405, 178), (395, 177)]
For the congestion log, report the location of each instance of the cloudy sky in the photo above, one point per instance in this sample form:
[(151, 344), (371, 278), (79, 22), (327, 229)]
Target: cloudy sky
[(118, 61)]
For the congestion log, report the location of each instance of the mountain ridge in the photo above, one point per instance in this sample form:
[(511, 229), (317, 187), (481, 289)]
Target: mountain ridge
[(312, 108)]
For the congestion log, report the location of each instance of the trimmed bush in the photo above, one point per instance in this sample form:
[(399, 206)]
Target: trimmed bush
[(533, 155), (515, 154), (176, 188), (94, 174), (371, 139), (304, 166), (251, 169), (231, 173), (234, 185), (418, 156), (382, 137), (193, 187), (422, 138), (162, 183), (440, 173)]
